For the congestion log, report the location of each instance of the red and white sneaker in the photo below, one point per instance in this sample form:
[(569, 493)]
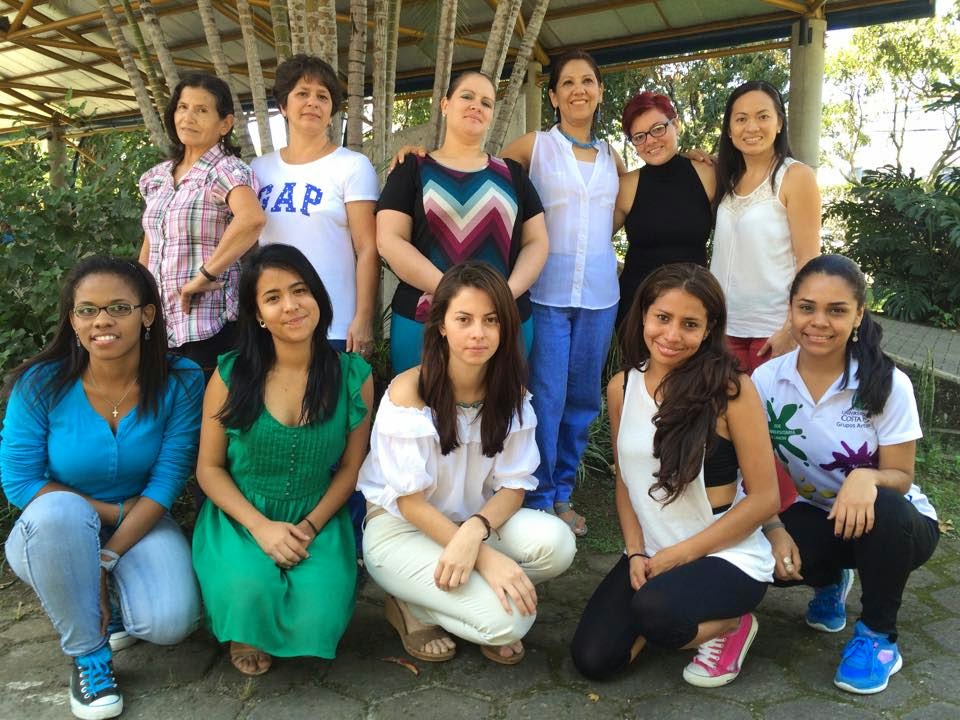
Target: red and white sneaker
[(718, 661)]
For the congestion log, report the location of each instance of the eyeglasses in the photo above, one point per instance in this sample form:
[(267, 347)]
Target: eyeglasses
[(658, 130), (117, 310)]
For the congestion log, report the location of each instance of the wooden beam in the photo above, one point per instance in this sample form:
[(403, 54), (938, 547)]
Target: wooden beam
[(703, 55), (163, 8), (815, 6), (663, 17), (71, 63), (21, 14), (63, 92), (41, 106), (20, 113), (791, 5), (261, 29)]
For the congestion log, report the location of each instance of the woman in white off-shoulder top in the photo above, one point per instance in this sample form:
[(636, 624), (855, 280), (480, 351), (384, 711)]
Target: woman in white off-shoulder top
[(452, 453)]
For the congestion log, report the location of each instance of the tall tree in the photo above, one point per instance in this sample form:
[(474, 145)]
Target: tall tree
[(220, 64), (498, 41), (258, 89), (380, 13), (356, 64), (160, 93), (322, 30), (281, 29), (150, 117), (297, 12), (150, 20), (446, 33), (393, 36), (505, 108)]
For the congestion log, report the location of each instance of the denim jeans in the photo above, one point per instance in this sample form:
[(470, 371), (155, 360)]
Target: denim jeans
[(406, 341), (55, 548), (569, 351)]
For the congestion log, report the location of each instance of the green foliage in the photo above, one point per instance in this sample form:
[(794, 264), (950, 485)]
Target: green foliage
[(906, 237), (98, 212)]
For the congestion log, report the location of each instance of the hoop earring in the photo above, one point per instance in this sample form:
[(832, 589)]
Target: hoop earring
[(262, 323), (856, 334)]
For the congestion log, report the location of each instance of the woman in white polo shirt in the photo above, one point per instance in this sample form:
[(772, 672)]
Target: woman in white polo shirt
[(844, 422)]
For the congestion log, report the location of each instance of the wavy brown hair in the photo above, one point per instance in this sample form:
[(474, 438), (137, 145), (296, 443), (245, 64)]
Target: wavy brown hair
[(695, 393), (506, 371)]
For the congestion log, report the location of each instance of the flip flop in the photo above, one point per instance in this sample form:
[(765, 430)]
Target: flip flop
[(492, 653), (417, 639), (238, 656), (561, 508)]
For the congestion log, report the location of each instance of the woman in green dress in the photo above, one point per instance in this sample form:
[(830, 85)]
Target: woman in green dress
[(285, 427)]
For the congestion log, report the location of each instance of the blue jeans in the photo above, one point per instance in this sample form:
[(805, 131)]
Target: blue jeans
[(406, 341), (54, 547), (566, 364)]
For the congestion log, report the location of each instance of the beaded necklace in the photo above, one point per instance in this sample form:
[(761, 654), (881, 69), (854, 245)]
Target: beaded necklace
[(576, 143)]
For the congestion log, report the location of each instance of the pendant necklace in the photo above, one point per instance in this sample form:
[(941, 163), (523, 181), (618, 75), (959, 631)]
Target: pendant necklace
[(576, 143), (116, 405), (470, 405)]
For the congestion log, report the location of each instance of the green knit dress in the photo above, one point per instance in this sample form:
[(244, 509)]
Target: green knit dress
[(283, 471)]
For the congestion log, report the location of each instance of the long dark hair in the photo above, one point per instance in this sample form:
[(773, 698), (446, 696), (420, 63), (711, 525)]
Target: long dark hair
[(256, 353), (72, 359), (505, 373), (556, 67), (693, 394), (730, 163), (874, 368), (221, 93)]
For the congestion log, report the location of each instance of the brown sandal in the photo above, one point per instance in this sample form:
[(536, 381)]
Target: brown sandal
[(492, 653), (414, 641), (241, 654)]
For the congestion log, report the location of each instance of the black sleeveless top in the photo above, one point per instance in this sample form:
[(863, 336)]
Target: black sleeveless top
[(669, 221)]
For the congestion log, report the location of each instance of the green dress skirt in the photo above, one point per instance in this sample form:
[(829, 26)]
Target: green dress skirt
[(283, 471)]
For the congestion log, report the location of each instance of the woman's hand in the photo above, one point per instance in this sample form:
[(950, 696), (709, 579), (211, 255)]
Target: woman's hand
[(667, 559), (508, 581), (199, 284), (360, 337), (459, 557), (639, 569), (784, 549), (698, 155), (419, 150), (283, 542), (852, 511), (778, 344)]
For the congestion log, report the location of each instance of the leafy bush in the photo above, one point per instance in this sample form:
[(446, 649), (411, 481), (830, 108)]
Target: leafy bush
[(905, 235), (97, 212)]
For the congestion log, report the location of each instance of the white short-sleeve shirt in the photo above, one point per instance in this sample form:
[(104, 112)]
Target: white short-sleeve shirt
[(820, 443), (405, 459), (305, 206)]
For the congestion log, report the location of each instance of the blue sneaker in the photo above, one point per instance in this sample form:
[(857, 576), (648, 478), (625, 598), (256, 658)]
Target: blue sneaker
[(94, 694), (869, 659), (827, 611)]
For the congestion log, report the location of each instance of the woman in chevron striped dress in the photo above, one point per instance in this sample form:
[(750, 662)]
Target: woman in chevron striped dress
[(458, 203)]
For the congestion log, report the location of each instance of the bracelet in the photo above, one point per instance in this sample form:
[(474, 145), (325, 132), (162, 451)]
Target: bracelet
[(111, 562), (207, 275), (120, 516), (312, 526), (486, 524), (631, 556), (771, 526)]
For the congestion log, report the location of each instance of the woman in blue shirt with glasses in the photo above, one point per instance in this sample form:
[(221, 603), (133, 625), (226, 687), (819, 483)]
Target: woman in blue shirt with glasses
[(99, 437)]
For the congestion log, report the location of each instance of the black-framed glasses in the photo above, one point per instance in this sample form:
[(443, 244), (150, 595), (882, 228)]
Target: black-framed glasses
[(117, 310), (658, 130)]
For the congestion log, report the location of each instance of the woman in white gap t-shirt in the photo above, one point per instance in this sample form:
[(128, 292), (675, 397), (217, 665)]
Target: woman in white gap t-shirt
[(452, 452)]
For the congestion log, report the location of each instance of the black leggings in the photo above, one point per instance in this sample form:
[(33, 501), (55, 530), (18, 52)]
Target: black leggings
[(665, 611), (901, 541)]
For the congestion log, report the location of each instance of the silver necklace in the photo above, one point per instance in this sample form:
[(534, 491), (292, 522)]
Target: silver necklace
[(116, 405)]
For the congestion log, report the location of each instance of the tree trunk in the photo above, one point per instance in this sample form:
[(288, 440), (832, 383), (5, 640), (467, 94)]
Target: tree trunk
[(149, 112), (257, 87), (159, 92), (393, 37), (170, 73), (208, 20), (505, 107), (380, 117), (297, 10), (281, 29), (356, 63), (446, 32), (498, 41), (322, 30)]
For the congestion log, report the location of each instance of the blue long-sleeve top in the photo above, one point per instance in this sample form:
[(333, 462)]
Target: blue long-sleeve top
[(151, 455)]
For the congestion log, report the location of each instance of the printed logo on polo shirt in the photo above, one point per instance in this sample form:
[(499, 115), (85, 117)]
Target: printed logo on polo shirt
[(853, 418), (851, 459), (781, 435), (284, 201)]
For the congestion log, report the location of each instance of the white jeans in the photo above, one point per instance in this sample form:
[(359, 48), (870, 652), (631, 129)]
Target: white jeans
[(402, 559)]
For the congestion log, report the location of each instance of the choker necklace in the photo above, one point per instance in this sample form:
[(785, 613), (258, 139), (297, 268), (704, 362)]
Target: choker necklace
[(470, 405), (116, 405), (576, 143)]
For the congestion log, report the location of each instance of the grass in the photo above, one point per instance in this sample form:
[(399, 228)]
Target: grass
[(938, 475)]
